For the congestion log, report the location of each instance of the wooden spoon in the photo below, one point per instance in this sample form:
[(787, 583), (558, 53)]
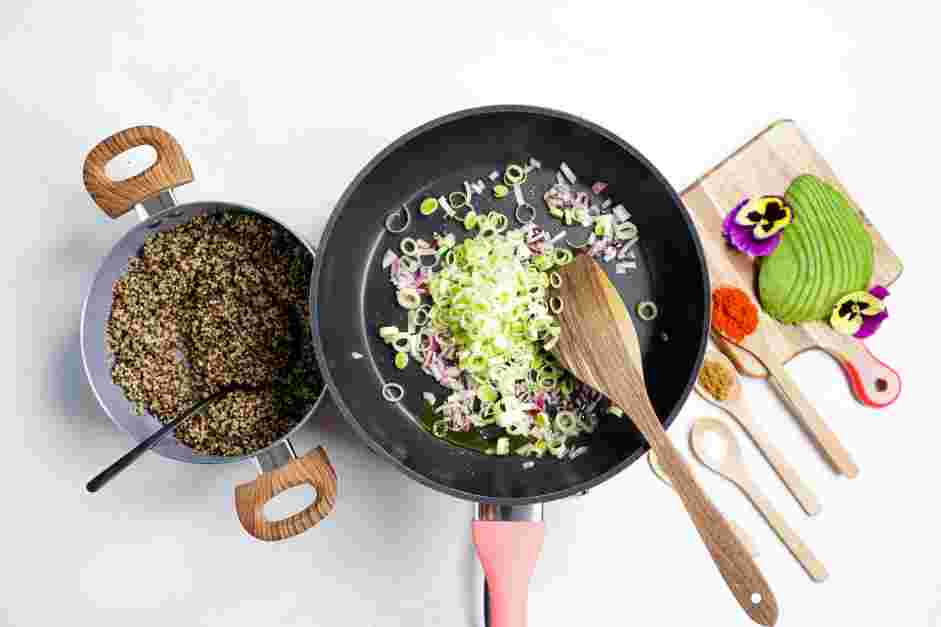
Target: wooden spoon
[(729, 465), (736, 406), (756, 344), (661, 473), (598, 344)]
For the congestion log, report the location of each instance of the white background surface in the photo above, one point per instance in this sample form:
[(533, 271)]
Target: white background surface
[(278, 108)]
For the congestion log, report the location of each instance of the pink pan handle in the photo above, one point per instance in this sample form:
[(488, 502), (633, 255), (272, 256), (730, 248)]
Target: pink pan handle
[(508, 551)]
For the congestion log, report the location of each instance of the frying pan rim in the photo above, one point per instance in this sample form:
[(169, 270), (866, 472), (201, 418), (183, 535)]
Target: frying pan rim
[(327, 375)]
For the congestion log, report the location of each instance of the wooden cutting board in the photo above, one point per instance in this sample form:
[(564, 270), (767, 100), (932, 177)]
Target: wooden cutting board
[(766, 165)]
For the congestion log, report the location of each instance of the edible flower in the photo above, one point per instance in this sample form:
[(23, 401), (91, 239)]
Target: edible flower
[(754, 225), (860, 313)]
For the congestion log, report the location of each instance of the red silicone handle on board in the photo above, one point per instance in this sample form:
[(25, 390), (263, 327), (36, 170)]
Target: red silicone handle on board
[(508, 552), (873, 382)]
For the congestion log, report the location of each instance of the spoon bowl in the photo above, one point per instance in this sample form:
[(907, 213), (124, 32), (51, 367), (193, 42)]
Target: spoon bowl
[(706, 433), (735, 393), (736, 406)]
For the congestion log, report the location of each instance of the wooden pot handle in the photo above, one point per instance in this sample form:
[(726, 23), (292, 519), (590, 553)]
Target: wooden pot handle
[(171, 169), (314, 469)]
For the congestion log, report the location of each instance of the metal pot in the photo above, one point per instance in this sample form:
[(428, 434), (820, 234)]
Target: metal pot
[(150, 192)]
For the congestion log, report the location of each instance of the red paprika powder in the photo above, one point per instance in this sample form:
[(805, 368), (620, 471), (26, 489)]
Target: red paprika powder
[(733, 313)]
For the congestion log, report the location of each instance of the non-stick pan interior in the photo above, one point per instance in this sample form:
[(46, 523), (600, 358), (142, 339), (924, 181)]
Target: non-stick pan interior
[(353, 296)]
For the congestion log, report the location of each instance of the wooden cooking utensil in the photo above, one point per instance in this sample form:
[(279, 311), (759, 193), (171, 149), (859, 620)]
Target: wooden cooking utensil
[(756, 344), (739, 532), (599, 345), (729, 464), (736, 406), (767, 164)]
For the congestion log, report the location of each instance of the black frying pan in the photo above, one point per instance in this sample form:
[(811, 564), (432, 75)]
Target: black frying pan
[(351, 295)]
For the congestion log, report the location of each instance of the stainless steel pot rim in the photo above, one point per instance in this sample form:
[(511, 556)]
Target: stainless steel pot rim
[(178, 212)]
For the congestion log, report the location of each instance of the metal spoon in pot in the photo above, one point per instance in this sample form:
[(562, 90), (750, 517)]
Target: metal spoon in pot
[(152, 440), (230, 327)]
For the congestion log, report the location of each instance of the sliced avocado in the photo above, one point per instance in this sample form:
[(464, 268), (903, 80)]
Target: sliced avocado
[(817, 252), (774, 286), (815, 264), (825, 254)]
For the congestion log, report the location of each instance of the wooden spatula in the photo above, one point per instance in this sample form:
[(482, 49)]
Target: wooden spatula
[(599, 345)]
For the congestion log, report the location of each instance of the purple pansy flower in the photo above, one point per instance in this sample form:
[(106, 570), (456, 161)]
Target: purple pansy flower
[(755, 227)]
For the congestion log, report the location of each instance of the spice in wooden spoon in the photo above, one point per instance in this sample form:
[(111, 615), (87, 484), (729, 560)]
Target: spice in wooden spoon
[(718, 383)]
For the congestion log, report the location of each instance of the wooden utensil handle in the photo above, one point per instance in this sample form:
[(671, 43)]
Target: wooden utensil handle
[(741, 533), (314, 469), (746, 363), (873, 382), (791, 540), (171, 169), (739, 570), (826, 440), (807, 499)]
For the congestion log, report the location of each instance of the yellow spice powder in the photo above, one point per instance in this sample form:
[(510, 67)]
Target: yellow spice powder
[(717, 378)]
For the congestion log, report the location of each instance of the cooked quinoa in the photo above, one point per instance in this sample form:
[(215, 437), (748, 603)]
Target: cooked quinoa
[(215, 302)]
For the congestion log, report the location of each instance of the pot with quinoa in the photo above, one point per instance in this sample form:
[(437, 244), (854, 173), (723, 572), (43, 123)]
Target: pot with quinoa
[(196, 298)]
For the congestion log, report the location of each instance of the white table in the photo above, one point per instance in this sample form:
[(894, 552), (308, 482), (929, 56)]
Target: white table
[(279, 109)]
